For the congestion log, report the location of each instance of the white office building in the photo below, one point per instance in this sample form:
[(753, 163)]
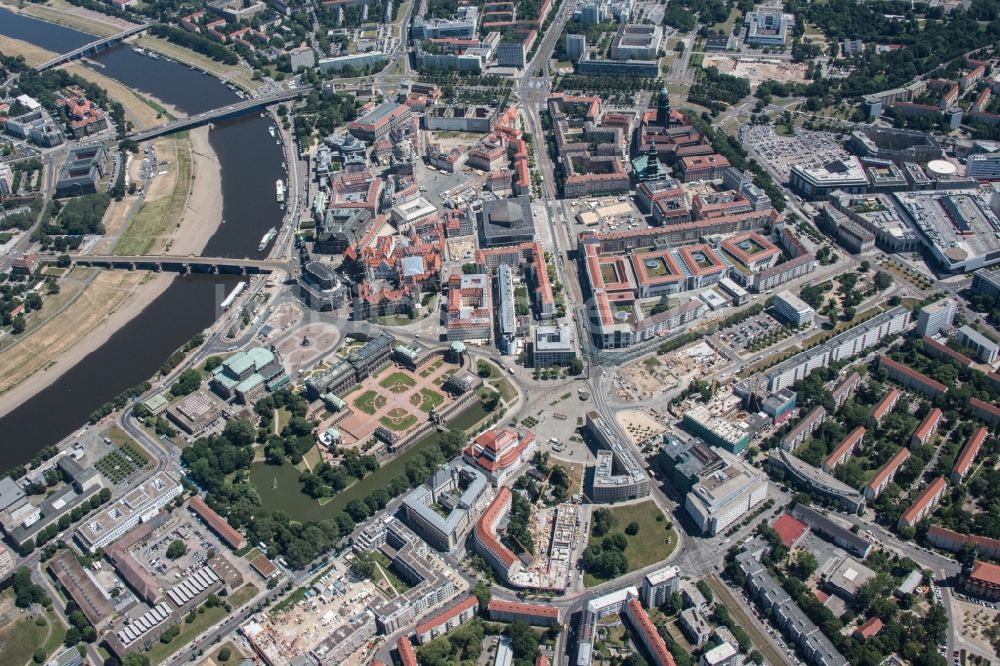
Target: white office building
[(793, 309), (936, 317), (659, 585), (725, 495), (138, 505)]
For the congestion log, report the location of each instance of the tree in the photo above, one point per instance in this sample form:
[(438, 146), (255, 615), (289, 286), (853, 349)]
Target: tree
[(601, 522), (187, 383), (136, 659), (634, 660), (523, 641), (632, 528), (882, 280), (490, 399), (705, 590), (240, 432), (224, 654), (805, 565), (176, 549), (483, 595)]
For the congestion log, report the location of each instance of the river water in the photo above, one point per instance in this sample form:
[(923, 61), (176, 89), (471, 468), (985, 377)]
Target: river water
[(250, 161)]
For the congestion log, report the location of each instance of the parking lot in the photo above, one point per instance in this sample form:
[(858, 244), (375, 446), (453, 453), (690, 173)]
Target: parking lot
[(807, 148), (740, 336)]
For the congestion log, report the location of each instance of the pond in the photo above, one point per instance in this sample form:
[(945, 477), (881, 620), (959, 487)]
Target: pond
[(280, 490)]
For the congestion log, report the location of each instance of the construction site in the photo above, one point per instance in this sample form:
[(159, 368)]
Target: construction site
[(758, 70), (641, 425), (654, 375), (554, 531), (337, 601)]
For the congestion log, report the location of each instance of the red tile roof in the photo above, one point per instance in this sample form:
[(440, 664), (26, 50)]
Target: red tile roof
[(226, 532), (542, 660), (538, 610), (868, 629), (984, 572), (969, 451), (789, 529), (406, 654), (886, 404), (485, 530), (652, 639), (933, 345), (936, 486), (889, 468), (439, 619), (928, 424), (982, 404), (885, 361), (952, 535), (845, 447)]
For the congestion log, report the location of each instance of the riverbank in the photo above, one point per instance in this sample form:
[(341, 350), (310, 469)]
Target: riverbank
[(33, 55), (189, 212), (237, 74), (139, 110), (65, 14)]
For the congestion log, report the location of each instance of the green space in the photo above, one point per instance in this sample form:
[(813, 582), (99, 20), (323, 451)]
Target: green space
[(398, 382), (369, 402), (427, 399), (20, 639), (243, 595), (653, 542), (155, 219), (274, 481), (390, 576), (487, 370), (121, 462), (507, 390), (281, 418), (206, 617), (398, 420)]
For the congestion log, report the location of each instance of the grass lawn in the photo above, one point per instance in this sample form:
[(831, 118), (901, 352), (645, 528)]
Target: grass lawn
[(311, 458), (398, 583), (20, 639), (654, 541), (398, 420), (507, 390), (369, 402), (398, 382), (252, 553), (427, 399), (493, 370), (157, 219), (159, 652), (118, 436), (281, 418), (234, 653), (575, 471), (243, 595)]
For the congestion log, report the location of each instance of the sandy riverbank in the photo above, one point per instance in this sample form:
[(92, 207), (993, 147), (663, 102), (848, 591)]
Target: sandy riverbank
[(33, 55), (115, 298)]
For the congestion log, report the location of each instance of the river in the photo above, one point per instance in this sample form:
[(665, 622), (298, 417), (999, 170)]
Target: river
[(250, 161)]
